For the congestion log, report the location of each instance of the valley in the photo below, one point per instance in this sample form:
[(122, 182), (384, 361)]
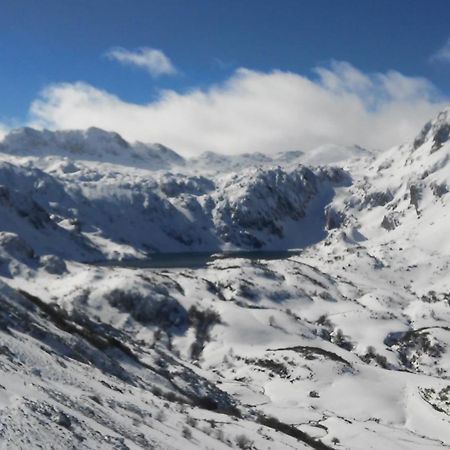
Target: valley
[(149, 301)]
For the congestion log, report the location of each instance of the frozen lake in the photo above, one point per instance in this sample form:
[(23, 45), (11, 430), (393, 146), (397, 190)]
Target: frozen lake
[(194, 260)]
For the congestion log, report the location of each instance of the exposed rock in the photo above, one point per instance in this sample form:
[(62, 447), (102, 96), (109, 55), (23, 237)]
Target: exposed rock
[(441, 135), (390, 222), (53, 264), (420, 139), (439, 189), (373, 199), (415, 194), (16, 246), (174, 186), (333, 218), (437, 131), (63, 419)]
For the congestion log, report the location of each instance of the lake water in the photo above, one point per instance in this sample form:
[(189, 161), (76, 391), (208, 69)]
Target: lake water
[(194, 260)]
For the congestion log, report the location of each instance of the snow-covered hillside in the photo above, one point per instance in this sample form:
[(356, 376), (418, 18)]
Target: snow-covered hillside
[(345, 344), (61, 197)]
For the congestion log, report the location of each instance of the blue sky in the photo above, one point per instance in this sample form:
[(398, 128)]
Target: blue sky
[(45, 42)]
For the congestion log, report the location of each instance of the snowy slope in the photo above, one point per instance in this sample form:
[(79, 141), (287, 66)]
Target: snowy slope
[(343, 345), (129, 206)]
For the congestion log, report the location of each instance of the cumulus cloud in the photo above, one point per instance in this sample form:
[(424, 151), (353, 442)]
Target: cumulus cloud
[(154, 61), (256, 111), (443, 54)]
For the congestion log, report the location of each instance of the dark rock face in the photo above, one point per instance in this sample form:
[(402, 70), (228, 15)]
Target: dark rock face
[(441, 135), (197, 185), (438, 131), (420, 139), (415, 194), (267, 199), (17, 247), (378, 198), (53, 264), (333, 218), (389, 222)]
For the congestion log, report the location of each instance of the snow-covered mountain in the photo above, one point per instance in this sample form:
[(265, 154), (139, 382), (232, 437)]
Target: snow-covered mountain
[(70, 202), (344, 344), (92, 144)]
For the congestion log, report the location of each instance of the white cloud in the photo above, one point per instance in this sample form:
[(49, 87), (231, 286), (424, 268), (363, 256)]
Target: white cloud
[(443, 54), (3, 130), (255, 111), (154, 61)]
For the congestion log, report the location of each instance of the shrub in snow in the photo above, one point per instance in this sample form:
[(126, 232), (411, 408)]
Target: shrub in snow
[(186, 432), (341, 340), (371, 354), (439, 189), (191, 421), (220, 435), (203, 321), (243, 442), (161, 416), (155, 308)]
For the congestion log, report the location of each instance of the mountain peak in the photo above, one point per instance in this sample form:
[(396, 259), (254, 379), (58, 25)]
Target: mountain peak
[(30, 139), (436, 130), (94, 144)]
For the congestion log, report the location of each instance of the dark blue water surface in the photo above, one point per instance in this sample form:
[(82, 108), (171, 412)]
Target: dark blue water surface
[(194, 260)]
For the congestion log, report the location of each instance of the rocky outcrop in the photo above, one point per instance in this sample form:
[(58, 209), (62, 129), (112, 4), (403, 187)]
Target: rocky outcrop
[(436, 131)]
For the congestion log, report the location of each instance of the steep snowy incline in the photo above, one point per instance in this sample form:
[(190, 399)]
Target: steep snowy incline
[(408, 180), (68, 381), (276, 208)]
